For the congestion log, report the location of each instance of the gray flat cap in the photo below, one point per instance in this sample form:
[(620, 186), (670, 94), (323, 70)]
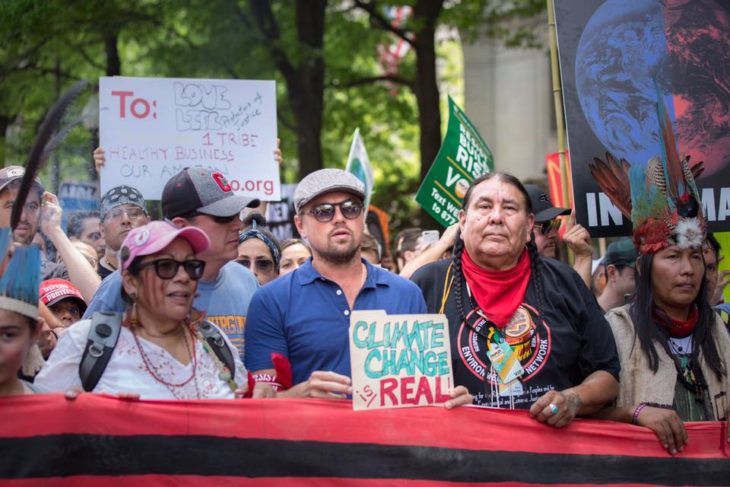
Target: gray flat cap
[(326, 181)]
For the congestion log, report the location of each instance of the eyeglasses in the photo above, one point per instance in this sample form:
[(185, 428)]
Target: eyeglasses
[(167, 268), (132, 212), (262, 265), (325, 212), (549, 226)]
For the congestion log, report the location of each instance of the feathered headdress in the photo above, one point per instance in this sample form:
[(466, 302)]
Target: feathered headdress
[(661, 199), (21, 278)]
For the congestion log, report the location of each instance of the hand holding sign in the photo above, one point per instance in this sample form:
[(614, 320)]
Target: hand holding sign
[(577, 238)]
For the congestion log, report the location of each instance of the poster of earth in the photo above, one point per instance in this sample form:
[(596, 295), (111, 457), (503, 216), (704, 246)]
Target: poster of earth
[(616, 58)]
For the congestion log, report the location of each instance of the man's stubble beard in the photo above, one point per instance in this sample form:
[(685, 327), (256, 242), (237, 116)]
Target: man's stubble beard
[(339, 256)]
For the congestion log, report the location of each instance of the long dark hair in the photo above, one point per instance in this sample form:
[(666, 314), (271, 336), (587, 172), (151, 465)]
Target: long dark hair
[(535, 263), (650, 333)]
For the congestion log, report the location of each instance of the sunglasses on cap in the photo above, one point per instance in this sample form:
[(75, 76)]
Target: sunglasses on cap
[(167, 268), (549, 226), (325, 212), (262, 265)]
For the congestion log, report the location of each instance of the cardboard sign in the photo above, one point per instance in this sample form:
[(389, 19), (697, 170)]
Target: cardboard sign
[(152, 128), (399, 360), (463, 157)]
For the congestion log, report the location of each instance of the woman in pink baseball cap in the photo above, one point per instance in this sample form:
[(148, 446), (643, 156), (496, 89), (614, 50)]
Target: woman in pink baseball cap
[(165, 349)]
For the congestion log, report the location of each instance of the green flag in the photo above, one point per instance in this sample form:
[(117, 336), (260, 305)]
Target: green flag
[(463, 157)]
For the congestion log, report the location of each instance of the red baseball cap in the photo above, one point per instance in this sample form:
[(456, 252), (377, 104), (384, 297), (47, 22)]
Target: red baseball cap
[(54, 290)]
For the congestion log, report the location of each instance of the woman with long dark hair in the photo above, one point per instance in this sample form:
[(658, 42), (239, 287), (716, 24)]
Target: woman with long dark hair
[(526, 332), (673, 347)]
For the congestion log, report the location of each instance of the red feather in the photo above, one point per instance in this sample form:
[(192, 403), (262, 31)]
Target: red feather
[(283, 370)]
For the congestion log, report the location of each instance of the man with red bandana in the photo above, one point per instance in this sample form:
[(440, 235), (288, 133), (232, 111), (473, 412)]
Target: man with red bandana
[(526, 332)]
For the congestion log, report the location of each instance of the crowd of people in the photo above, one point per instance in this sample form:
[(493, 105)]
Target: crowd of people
[(206, 303)]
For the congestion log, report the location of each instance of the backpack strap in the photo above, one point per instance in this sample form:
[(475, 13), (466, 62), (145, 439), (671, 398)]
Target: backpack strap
[(103, 337), (214, 338)]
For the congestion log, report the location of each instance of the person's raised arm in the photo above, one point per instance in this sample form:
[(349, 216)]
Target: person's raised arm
[(80, 272), (578, 240), (432, 253)]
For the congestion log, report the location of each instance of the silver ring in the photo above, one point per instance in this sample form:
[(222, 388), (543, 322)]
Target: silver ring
[(553, 409)]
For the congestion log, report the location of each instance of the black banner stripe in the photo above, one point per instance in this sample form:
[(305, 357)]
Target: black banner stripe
[(68, 455)]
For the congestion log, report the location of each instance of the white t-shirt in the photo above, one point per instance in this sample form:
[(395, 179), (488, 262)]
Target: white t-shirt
[(126, 371)]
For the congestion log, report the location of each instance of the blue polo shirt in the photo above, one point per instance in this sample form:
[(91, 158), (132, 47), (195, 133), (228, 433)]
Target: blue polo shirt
[(305, 317)]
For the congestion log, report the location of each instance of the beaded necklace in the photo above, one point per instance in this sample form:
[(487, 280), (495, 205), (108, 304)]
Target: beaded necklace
[(152, 370)]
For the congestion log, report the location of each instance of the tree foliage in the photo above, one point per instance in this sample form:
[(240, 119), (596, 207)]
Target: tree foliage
[(323, 55)]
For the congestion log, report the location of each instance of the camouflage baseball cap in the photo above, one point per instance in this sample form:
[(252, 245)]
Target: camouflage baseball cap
[(200, 190)]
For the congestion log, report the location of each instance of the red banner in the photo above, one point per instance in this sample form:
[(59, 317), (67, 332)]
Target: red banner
[(99, 440)]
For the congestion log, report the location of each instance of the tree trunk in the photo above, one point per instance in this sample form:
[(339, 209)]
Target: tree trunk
[(304, 76), (425, 14), (306, 94), (113, 63)]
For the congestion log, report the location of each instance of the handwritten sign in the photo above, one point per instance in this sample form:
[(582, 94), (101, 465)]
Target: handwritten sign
[(399, 360), (463, 157), (152, 128)]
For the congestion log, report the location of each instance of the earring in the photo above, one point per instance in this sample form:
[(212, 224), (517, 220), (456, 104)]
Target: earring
[(133, 316)]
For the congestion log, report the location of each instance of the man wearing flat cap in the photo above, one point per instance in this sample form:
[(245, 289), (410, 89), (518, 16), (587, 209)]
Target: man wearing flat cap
[(305, 315)]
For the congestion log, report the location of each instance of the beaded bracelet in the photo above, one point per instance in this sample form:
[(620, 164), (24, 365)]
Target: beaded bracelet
[(637, 411)]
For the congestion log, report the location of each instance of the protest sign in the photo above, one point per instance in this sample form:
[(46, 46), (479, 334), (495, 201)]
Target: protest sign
[(152, 128), (463, 157), (399, 360), (613, 56), (358, 163), (280, 214), (77, 196)]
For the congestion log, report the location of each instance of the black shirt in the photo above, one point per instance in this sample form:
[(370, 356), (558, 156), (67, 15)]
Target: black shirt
[(570, 342), (103, 271)]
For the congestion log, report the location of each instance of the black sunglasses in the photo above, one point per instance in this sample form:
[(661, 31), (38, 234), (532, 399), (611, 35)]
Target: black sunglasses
[(549, 226), (167, 268), (325, 212), (262, 265)]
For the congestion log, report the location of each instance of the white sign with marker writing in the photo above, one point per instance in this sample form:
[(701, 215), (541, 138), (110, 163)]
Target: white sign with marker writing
[(152, 128)]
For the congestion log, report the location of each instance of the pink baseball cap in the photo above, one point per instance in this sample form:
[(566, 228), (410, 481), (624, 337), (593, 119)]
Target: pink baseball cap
[(155, 236)]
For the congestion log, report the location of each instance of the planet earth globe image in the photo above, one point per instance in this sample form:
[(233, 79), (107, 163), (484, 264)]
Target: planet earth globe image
[(631, 50)]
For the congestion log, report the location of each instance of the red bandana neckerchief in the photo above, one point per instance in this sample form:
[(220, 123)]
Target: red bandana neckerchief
[(676, 328), (498, 293)]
